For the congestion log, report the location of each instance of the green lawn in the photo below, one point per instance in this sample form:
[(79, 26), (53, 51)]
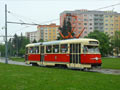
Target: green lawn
[(17, 59), (13, 77), (111, 63)]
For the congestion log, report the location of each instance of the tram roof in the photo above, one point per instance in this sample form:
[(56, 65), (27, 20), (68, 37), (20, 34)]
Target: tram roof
[(62, 42), (69, 41), (33, 44)]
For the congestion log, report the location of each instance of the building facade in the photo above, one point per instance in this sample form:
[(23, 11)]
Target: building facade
[(48, 32), (44, 33), (104, 21), (32, 36)]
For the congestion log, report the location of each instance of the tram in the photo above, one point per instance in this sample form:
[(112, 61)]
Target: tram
[(82, 53)]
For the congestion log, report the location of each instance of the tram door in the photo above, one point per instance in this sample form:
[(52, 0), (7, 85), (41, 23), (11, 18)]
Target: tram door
[(42, 53), (75, 50)]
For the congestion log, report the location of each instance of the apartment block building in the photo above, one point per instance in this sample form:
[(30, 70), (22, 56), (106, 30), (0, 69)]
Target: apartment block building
[(104, 21), (44, 32), (32, 36), (48, 32)]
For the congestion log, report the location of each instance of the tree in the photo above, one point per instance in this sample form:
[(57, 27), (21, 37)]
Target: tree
[(65, 28), (41, 40), (2, 50), (116, 42), (34, 41), (16, 46), (105, 44)]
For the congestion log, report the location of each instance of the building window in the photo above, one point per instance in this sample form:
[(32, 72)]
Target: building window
[(106, 28), (90, 27), (85, 20), (79, 19), (106, 20), (106, 16), (79, 27), (111, 24), (90, 23), (90, 19), (85, 23), (85, 32), (110, 16), (111, 28), (96, 23), (106, 24)]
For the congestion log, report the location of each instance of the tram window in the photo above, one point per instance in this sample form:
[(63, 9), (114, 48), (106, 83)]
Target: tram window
[(36, 49), (85, 49), (55, 48), (31, 50), (48, 49), (64, 48), (91, 49)]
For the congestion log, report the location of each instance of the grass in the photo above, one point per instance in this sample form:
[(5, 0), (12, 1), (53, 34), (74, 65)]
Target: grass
[(108, 63), (111, 63), (17, 59), (13, 77)]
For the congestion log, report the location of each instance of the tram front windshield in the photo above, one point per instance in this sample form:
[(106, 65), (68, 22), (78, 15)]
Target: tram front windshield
[(91, 49)]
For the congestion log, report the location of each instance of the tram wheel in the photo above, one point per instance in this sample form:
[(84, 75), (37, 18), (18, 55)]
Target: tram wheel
[(34, 64)]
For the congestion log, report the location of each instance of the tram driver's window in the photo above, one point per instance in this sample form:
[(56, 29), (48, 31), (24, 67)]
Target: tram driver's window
[(64, 48), (55, 48), (48, 49)]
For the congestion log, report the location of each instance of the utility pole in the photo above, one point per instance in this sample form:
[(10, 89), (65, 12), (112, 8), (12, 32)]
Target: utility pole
[(6, 44)]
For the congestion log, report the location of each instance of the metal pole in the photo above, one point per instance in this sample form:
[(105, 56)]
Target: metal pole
[(6, 44)]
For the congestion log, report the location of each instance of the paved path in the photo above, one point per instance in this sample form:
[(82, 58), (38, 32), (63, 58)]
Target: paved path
[(107, 71), (2, 60)]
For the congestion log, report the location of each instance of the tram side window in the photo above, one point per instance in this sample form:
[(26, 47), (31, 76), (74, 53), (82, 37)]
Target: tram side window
[(55, 48), (64, 48), (36, 49), (48, 49), (85, 49), (31, 50)]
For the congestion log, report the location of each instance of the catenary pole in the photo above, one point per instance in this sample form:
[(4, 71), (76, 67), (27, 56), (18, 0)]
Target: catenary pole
[(6, 44)]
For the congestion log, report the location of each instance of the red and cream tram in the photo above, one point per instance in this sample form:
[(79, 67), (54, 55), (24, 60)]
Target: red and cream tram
[(74, 53)]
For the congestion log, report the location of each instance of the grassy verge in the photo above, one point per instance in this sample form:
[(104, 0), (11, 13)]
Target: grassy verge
[(17, 59), (13, 77), (111, 63)]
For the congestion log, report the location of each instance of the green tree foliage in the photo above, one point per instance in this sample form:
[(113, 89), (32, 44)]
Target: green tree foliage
[(2, 50), (34, 41), (16, 46), (65, 28), (116, 42), (105, 45), (41, 40)]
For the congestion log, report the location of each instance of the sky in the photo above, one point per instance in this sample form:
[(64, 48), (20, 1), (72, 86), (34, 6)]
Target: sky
[(43, 12)]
